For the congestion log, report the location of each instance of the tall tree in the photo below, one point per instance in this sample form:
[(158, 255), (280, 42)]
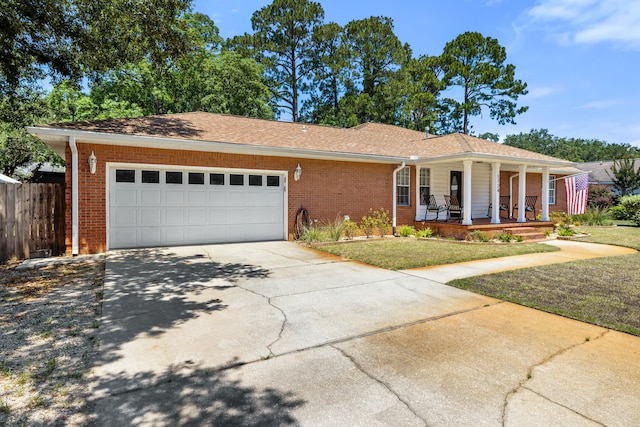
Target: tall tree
[(376, 55), (625, 176), (330, 71), (68, 38), (476, 64), (282, 43), (422, 83)]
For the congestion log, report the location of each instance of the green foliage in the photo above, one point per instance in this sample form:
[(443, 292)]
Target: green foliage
[(618, 212), (625, 176), (572, 149), (349, 229), (377, 220), (406, 230), (477, 236), (476, 64), (631, 205), (282, 43), (424, 233), (594, 216), (504, 237), (561, 218), (565, 230)]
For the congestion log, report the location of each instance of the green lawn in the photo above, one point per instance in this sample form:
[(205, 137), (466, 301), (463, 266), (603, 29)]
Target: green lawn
[(619, 236), (601, 291), (399, 254)]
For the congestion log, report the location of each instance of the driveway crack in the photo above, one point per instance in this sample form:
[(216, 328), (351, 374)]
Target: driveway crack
[(382, 383), (522, 384)]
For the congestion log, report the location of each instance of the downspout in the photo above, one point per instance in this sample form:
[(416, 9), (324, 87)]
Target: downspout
[(395, 195), (511, 194), (74, 195)]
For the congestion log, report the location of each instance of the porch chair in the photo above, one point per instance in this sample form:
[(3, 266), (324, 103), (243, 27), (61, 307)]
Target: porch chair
[(529, 206), (433, 206), (453, 207), (503, 204)]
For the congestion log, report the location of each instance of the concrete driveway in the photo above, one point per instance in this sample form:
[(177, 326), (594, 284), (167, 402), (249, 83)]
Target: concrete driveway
[(276, 334)]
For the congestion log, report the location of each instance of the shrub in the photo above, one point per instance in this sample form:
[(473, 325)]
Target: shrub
[(313, 233), (565, 230), (504, 237), (477, 235), (594, 216), (424, 233), (367, 225), (519, 239), (350, 229), (377, 220), (333, 229), (406, 230), (561, 218), (618, 212), (600, 196), (631, 205)]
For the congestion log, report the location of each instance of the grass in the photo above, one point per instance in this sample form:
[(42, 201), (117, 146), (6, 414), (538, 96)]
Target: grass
[(399, 254), (601, 291), (619, 236)]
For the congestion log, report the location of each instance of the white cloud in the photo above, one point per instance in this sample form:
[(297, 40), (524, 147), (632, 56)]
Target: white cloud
[(539, 92), (590, 21)]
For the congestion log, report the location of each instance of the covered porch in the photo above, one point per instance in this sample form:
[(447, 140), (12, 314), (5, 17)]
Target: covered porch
[(530, 230)]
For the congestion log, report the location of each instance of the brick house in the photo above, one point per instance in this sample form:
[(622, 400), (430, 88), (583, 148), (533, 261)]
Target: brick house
[(195, 178)]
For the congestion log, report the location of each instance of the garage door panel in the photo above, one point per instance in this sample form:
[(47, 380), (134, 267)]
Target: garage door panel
[(124, 216), (126, 197), (156, 213), (174, 197), (196, 198), (174, 217), (150, 197), (150, 217)]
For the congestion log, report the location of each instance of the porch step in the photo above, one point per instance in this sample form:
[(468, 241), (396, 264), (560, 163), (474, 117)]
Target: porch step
[(527, 233)]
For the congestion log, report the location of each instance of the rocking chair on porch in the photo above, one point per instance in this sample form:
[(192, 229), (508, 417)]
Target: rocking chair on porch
[(503, 206), (529, 206), (433, 206), (453, 207)]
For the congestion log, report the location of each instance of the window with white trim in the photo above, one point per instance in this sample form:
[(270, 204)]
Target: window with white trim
[(403, 185), (552, 189), (425, 186)]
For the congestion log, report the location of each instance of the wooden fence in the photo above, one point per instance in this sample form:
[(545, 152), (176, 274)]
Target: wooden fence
[(31, 220)]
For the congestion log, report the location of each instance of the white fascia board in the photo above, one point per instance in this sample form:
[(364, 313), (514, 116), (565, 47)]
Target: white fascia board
[(53, 137), (488, 158)]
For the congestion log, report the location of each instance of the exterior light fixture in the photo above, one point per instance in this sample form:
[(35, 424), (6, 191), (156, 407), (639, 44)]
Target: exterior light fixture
[(297, 173), (93, 162)]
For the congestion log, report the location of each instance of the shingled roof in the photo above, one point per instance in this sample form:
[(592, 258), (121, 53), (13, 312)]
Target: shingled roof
[(368, 139)]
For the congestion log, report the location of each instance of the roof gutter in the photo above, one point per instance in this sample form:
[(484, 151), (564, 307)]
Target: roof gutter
[(395, 195), (74, 196), (202, 145)]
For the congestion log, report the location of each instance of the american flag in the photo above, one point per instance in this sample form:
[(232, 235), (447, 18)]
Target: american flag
[(577, 188)]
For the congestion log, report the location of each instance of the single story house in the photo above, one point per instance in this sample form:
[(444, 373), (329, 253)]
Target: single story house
[(198, 177), (600, 173)]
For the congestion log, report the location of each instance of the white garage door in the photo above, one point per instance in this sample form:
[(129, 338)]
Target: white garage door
[(151, 206)]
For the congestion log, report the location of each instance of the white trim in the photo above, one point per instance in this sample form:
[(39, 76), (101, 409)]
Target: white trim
[(75, 246), (395, 195), (166, 167)]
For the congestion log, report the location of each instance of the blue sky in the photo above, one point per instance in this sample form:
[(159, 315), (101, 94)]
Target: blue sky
[(580, 58)]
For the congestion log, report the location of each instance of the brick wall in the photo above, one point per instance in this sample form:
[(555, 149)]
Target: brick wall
[(327, 189)]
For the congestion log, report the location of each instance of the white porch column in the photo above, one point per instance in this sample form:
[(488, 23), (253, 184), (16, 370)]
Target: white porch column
[(466, 196), (545, 194), (495, 193), (522, 190)]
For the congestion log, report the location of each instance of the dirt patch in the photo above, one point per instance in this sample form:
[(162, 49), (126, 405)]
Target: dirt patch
[(48, 322)]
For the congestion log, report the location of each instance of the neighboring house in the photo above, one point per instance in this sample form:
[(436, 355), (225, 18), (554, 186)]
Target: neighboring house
[(599, 173), (204, 178), (4, 179), (43, 173)]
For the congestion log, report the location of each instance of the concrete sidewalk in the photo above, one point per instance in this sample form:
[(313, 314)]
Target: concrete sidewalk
[(275, 334), (569, 251)]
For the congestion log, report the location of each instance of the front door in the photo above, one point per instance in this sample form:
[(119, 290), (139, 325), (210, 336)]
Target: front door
[(455, 185)]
